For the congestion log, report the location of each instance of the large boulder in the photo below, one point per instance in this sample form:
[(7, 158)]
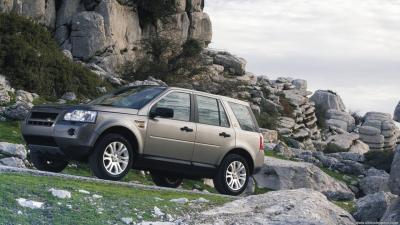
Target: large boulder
[(374, 181), (394, 181), (392, 214), (396, 115), (278, 174), (291, 207), (340, 119), (200, 27), (13, 162), (371, 208), (18, 111), (88, 35), (230, 62), (341, 142), (13, 150), (326, 100)]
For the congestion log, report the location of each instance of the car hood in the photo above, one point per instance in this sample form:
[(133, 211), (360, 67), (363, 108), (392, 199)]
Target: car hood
[(99, 108)]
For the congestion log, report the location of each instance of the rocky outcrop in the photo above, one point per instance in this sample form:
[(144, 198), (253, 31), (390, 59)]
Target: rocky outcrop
[(43, 11), (230, 62), (302, 206), (371, 208), (326, 100), (375, 181), (394, 181), (5, 91), (20, 109), (340, 119), (379, 131), (278, 174)]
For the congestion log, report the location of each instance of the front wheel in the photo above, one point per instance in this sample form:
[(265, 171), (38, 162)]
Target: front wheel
[(232, 176), (166, 181), (112, 157), (47, 163)]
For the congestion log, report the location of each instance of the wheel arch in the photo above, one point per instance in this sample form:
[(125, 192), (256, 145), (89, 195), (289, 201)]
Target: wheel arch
[(130, 135), (245, 154)]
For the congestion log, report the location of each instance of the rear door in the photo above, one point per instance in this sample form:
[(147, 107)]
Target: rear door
[(172, 138), (214, 136)]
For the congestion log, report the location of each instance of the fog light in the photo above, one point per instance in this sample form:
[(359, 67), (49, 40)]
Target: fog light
[(71, 132)]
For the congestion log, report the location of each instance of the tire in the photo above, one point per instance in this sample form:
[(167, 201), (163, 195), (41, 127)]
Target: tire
[(166, 181), (47, 163), (237, 182), (112, 157)]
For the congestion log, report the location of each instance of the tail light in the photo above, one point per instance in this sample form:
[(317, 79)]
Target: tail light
[(261, 143)]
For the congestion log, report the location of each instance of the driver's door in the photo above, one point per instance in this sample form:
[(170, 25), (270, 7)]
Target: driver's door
[(172, 137)]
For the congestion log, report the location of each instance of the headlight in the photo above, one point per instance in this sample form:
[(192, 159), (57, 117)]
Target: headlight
[(81, 116)]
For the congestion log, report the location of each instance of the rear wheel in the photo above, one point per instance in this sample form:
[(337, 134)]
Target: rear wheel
[(232, 176), (48, 163), (165, 180), (112, 157)]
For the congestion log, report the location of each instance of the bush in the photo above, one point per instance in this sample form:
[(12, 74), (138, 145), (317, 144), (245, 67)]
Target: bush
[(152, 10), (380, 159), (267, 121), (192, 48), (31, 60)]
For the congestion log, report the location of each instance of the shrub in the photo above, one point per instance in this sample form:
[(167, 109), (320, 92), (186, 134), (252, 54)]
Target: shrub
[(31, 60), (380, 159), (152, 10), (267, 121), (191, 48)]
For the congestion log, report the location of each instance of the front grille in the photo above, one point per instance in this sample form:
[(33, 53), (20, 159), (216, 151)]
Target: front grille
[(39, 140), (42, 119)]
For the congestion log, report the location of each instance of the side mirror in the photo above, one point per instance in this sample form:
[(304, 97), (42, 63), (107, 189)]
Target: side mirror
[(161, 112)]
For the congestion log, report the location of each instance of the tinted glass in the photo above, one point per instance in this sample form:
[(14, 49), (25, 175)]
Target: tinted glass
[(222, 114), (208, 112), (244, 116), (132, 97), (179, 102)]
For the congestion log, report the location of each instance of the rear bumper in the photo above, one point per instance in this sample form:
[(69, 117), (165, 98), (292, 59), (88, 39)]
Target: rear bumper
[(65, 139), (259, 162)]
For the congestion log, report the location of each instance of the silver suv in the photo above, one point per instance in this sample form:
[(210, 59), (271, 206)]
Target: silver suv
[(174, 133)]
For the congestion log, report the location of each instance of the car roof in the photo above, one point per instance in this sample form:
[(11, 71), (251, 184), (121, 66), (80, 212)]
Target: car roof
[(224, 98)]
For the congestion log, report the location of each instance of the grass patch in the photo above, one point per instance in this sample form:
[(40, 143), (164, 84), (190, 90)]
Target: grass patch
[(134, 176), (10, 131), (340, 176), (117, 202), (349, 206)]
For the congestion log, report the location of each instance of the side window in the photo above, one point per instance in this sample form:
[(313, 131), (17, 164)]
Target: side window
[(211, 112), (244, 117), (179, 102)]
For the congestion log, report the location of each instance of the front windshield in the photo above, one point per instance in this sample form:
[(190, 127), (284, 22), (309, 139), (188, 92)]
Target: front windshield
[(131, 97)]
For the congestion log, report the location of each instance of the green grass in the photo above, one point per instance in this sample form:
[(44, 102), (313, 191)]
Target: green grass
[(10, 132), (349, 206), (134, 176), (117, 202)]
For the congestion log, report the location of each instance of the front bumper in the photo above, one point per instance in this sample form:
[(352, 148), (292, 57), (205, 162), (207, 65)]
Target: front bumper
[(67, 139)]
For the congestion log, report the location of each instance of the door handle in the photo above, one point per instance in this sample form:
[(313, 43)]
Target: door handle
[(225, 135), (187, 129)]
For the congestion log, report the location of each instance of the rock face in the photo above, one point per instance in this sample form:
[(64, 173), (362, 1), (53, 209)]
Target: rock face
[(396, 115), (375, 181), (394, 181), (302, 206), (278, 174), (43, 11), (371, 208), (379, 131), (340, 119), (328, 100)]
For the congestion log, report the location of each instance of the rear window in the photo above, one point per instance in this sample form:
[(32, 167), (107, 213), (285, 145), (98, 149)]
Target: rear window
[(244, 116)]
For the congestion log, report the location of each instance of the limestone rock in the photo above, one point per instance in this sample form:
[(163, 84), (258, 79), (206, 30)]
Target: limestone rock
[(396, 115), (18, 111), (229, 61), (200, 27), (174, 27), (328, 100), (87, 35), (371, 208), (341, 142), (278, 174), (393, 212), (13, 162), (375, 181), (336, 118), (394, 181), (69, 96), (195, 5), (292, 207), (13, 150)]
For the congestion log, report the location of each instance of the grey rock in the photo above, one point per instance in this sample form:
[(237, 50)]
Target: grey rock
[(336, 115), (4, 97), (396, 115), (68, 54), (394, 181), (69, 96), (87, 35), (278, 174), (371, 208), (342, 142), (175, 27), (393, 212), (200, 27), (195, 5), (374, 181), (18, 111), (13, 162), (283, 150), (328, 100), (229, 61), (300, 84), (291, 207), (13, 150)]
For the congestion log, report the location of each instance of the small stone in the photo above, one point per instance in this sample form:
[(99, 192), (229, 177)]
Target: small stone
[(60, 193), (30, 204), (127, 220), (158, 212), (97, 196), (180, 200)]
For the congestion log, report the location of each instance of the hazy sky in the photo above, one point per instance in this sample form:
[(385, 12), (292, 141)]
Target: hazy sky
[(349, 46)]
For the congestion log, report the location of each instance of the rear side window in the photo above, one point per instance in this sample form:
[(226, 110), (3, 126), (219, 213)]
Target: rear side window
[(211, 112), (244, 116)]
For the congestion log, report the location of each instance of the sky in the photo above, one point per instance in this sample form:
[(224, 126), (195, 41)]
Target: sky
[(348, 46)]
